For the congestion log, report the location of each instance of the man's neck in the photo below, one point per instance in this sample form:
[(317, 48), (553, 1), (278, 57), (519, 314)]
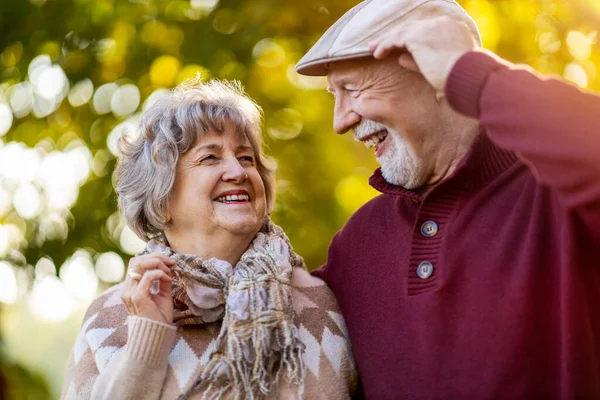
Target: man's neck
[(457, 141)]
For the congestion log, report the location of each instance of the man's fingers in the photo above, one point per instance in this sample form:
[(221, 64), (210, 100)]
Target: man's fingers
[(384, 47)]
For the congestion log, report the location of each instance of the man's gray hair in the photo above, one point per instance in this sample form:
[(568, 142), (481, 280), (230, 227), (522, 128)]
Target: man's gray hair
[(147, 164)]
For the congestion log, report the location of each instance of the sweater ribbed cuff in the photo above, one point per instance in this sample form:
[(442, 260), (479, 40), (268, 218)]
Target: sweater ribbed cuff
[(468, 78), (149, 341)]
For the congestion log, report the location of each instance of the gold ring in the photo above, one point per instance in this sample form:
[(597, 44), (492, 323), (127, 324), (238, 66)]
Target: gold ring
[(136, 276)]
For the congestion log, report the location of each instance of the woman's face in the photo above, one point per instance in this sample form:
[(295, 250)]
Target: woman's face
[(218, 189)]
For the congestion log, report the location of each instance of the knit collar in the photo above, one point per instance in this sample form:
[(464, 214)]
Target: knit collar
[(484, 161)]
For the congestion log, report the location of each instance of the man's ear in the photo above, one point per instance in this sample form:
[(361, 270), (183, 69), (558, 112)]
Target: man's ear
[(407, 61)]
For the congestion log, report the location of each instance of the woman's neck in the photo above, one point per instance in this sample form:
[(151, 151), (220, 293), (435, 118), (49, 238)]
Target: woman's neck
[(224, 246)]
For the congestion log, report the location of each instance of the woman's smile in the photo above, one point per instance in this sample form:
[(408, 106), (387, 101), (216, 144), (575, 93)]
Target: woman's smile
[(233, 197)]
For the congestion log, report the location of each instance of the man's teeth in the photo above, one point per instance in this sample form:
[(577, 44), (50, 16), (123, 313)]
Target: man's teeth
[(375, 139), (235, 197)]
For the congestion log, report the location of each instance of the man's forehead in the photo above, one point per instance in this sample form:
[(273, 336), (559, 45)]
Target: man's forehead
[(341, 72)]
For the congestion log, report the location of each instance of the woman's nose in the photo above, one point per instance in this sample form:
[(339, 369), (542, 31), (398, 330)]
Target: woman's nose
[(234, 171)]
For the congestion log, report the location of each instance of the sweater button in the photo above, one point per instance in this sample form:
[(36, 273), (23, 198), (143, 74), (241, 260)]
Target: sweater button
[(425, 270), (429, 229)]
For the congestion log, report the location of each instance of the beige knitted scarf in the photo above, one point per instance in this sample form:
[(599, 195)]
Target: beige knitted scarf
[(258, 343)]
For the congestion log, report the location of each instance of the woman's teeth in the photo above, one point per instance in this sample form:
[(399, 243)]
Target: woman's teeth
[(235, 197), (375, 139)]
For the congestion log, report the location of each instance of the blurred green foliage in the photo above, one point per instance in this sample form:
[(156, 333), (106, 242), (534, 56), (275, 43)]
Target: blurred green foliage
[(142, 46)]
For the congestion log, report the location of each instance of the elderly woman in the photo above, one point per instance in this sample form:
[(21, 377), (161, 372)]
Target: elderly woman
[(218, 305)]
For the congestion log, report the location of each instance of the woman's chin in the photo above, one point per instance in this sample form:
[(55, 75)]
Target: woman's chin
[(242, 226)]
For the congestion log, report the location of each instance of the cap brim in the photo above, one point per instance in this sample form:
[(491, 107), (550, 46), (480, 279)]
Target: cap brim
[(319, 67)]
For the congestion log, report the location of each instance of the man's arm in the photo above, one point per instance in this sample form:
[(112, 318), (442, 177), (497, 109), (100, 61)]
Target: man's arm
[(553, 126)]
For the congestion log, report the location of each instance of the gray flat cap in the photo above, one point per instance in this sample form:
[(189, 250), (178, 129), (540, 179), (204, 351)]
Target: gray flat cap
[(349, 37)]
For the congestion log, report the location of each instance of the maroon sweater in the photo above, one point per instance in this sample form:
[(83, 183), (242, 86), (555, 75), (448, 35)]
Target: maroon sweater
[(512, 308)]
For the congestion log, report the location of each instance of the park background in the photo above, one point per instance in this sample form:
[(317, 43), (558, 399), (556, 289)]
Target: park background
[(75, 74)]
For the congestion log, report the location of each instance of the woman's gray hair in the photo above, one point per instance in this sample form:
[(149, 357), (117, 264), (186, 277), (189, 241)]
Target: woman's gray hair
[(147, 164)]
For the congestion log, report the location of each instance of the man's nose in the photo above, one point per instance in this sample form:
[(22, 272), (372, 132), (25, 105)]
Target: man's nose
[(344, 118), (234, 171)]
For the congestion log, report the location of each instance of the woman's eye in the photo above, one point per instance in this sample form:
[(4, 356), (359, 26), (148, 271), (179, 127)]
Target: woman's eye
[(247, 160), (208, 158)]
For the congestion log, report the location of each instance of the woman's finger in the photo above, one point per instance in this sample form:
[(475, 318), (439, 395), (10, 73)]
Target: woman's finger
[(147, 262), (142, 291)]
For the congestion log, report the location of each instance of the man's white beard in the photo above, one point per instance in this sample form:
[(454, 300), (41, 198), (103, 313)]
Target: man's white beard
[(399, 164)]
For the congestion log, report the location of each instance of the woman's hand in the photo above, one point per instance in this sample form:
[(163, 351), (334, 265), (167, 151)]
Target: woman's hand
[(142, 271)]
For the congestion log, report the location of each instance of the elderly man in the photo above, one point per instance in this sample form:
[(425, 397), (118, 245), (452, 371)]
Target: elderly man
[(476, 274)]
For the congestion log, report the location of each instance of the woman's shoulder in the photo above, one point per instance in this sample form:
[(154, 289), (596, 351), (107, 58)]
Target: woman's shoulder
[(322, 329), (107, 305), (314, 301)]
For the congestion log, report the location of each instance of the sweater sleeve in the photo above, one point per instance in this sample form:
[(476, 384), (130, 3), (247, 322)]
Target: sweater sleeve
[(551, 125), (140, 370)]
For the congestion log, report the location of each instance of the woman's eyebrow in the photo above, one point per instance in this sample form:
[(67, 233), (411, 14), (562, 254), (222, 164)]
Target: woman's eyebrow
[(210, 146), (244, 147)]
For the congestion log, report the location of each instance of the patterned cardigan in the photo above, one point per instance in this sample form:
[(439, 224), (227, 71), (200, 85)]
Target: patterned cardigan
[(121, 357)]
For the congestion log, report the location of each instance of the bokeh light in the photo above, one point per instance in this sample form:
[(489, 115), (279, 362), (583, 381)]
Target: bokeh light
[(130, 243), (125, 100), (6, 118), (267, 53), (81, 93), (164, 71), (110, 267), (49, 299), (21, 99), (27, 201), (285, 124), (576, 74), (103, 97), (79, 276), (580, 45), (45, 266), (8, 283)]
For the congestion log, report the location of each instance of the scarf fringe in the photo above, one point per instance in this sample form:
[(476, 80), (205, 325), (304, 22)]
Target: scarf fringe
[(257, 351)]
